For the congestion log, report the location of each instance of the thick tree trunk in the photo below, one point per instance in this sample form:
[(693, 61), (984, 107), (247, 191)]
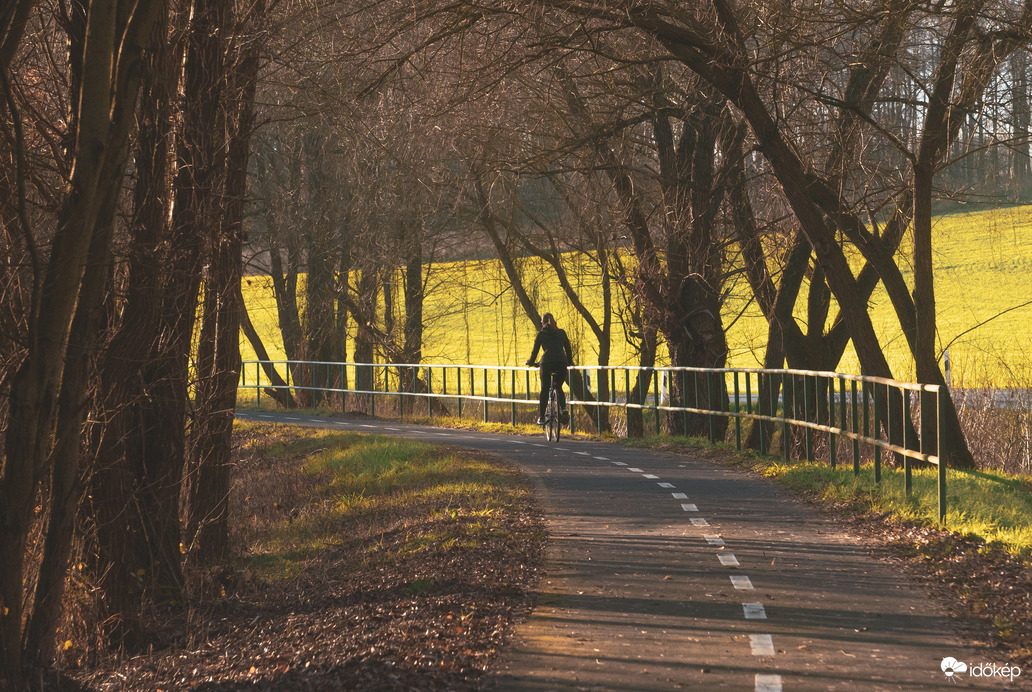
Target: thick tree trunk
[(110, 81)]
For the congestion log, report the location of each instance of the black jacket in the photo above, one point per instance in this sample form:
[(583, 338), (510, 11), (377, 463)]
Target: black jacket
[(556, 346)]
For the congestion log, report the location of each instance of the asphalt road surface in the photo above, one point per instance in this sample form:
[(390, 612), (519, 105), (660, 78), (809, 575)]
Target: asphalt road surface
[(665, 572)]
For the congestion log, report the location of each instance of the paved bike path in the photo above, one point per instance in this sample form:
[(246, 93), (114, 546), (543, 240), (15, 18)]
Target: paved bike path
[(665, 572)]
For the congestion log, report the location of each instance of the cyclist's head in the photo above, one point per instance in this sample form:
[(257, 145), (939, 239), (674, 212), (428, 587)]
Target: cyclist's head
[(547, 320)]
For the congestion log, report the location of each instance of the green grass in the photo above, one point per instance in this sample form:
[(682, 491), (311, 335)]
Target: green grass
[(993, 506), (355, 487), (983, 261)]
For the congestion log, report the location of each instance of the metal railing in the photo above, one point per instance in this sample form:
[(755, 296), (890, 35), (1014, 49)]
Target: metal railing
[(808, 408)]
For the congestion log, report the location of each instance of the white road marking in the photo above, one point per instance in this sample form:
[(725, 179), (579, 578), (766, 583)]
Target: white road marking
[(665, 485), (394, 429), (619, 463), (689, 508), (291, 418), (714, 540), (583, 454), (728, 560), (699, 522), (679, 496), (649, 476), (634, 469), (754, 611), (366, 425), (602, 458), (740, 581), (535, 444), (761, 644), (768, 683), (562, 449), (518, 442)]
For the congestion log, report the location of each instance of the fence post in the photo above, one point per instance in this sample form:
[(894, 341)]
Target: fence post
[(627, 399), (785, 379), (372, 391), (512, 396), (458, 384), (655, 396), (856, 431), (908, 480), (430, 392), (877, 435), (808, 433), (941, 415), (738, 417), (485, 396), (832, 437)]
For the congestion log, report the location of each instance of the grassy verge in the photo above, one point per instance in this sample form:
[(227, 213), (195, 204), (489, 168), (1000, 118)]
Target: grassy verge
[(363, 493), (991, 506)]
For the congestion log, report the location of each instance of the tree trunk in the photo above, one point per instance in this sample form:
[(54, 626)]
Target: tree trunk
[(110, 82)]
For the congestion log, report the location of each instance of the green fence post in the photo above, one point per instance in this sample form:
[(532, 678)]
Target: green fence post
[(856, 431), (908, 480), (627, 398), (877, 436), (940, 439), (655, 396), (738, 417), (784, 410), (832, 437), (808, 381), (372, 391)]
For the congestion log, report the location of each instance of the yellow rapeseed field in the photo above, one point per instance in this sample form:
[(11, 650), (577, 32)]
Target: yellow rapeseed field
[(983, 287)]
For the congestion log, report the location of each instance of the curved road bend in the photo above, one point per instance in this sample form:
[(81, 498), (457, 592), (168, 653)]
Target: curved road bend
[(667, 573)]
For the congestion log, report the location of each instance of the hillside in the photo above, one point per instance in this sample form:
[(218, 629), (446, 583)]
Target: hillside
[(983, 283)]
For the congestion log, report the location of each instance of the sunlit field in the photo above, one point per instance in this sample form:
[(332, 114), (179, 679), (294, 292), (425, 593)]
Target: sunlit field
[(983, 287)]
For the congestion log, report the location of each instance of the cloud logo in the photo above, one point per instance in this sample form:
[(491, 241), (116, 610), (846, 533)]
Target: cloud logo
[(952, 666)]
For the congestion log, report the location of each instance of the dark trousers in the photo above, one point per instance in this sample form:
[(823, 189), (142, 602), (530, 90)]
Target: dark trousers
[(547, 370)]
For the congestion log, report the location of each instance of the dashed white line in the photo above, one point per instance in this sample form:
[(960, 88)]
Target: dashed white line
[(687, 507), (535, 444), (649, 476), (728, 560), (562, 449), (291, 418), (583, 454), (366, 425), (699, 521), (394, 429), (602, 458), (761, 644), (679, 496), (619, 463), (714, 540), (634, 469), (741, 582), (518, 442), (768, 683), (665, 485), (754, 611)]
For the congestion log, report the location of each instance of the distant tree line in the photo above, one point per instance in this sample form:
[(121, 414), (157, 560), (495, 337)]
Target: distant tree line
[(156, 151)]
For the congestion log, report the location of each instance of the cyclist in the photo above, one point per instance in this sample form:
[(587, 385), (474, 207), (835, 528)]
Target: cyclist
[(557, 357)]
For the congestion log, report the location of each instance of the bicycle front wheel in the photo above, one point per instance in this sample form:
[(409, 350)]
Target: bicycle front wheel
[(552, 420)]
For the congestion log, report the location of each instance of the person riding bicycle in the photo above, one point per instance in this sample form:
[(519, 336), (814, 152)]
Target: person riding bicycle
[(556, 358)]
